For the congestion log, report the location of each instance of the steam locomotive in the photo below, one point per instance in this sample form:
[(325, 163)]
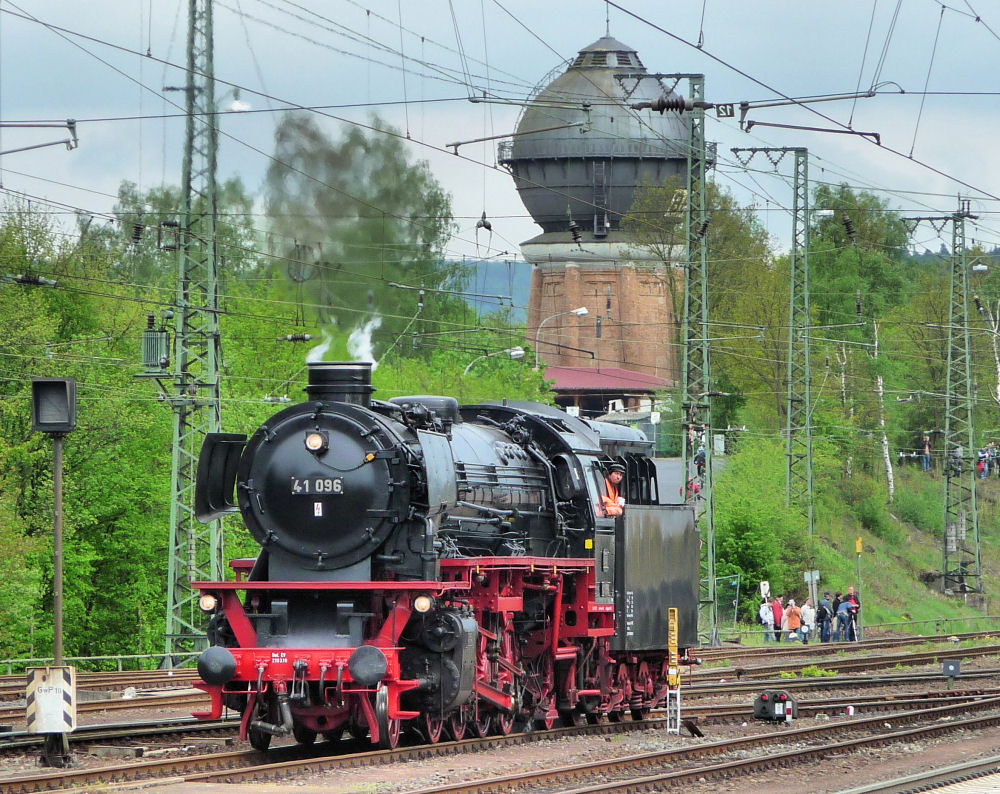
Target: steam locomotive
[(442, 568)]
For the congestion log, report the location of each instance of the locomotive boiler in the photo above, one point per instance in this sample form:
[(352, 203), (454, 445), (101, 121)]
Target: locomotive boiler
[(439, 567)]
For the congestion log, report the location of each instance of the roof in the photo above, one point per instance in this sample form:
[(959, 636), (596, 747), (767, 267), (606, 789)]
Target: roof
[(608, 44), (610, 379)]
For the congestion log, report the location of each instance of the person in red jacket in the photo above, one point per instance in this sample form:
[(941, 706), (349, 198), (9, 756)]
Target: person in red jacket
[(779, 612), (614, 502)]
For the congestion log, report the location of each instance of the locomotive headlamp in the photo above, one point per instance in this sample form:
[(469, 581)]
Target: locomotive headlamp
[(423, 603), (207, 602), (317, 441)]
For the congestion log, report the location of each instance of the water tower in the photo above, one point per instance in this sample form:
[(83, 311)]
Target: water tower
[(578, 154)]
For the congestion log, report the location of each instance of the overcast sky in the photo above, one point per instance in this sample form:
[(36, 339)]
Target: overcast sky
[(337, 55)]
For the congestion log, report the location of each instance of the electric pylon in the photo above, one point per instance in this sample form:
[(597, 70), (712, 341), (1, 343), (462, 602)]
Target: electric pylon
[(961, 571), (697, 405), (195, 549), (798, 440)]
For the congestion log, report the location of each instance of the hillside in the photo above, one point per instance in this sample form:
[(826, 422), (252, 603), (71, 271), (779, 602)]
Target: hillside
[(902, 546)]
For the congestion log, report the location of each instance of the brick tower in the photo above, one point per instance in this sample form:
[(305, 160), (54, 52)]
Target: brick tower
[(577, 181)]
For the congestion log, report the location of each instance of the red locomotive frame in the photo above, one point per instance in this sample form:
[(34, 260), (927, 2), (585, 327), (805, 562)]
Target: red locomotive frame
[(563, 668)]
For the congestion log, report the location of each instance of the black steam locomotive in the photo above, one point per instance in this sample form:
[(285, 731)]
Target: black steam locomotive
[(440, 567)]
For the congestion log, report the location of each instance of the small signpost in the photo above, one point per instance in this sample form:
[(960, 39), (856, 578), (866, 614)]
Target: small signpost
[(51, 695), (812, 580)]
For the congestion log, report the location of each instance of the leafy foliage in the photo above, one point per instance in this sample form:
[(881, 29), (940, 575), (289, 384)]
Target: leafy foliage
[(356, 226)]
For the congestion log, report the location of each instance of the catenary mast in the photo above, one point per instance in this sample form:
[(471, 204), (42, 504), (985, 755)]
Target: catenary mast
[(195, 549)]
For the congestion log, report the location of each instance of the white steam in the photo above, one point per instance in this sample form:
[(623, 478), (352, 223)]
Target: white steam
[(317, 353), (359, 344)]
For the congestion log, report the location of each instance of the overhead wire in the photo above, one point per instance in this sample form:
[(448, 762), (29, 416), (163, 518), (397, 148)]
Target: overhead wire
[(930, 67)]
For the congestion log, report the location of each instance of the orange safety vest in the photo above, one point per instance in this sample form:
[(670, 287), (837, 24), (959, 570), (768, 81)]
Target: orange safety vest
[(611, 506)]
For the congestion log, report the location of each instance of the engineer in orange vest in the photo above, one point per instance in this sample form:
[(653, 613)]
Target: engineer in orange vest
[(614, 502)]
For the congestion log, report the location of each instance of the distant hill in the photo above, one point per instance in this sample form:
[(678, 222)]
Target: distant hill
[(488, 282)]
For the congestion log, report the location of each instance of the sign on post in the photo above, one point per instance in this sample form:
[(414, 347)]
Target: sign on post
[(812, 579), (51, 699)]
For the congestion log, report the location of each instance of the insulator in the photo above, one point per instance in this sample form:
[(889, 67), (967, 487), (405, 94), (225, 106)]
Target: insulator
[(598, 327), (857, 303), (420, 302), (703, 229), (607, 307), (574, 229), (849, 227), (482, 223), (979, 304), (137, 233), (678, 103)]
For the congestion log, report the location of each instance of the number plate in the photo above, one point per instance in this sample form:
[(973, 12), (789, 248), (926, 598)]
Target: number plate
[(311, 486)]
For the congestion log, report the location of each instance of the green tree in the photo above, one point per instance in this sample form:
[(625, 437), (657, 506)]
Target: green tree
[(354, 224)]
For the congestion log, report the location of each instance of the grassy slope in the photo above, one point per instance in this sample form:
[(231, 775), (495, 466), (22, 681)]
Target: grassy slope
[(892, 565)]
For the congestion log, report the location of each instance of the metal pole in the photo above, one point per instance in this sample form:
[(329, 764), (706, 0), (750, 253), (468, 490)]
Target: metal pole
[(859, 591), (57, 584)]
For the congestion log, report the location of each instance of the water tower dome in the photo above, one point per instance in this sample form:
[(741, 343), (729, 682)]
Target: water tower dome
[(589, 166)]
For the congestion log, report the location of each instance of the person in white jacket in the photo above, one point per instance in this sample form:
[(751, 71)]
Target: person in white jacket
[(808, 620), (767, 620)]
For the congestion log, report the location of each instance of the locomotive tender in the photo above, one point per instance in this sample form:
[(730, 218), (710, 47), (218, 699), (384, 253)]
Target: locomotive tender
[(444, 568)]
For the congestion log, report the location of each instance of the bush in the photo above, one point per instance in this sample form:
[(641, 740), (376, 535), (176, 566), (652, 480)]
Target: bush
[(874, 516), (919, 508)]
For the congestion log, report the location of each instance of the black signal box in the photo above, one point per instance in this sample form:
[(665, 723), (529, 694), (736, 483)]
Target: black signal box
[(775, 705), (53, 405)]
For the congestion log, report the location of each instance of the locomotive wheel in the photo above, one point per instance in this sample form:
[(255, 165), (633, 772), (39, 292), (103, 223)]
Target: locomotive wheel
[(389, 730), (389, 738), (595, 718), (616, 716), (302, 734), (456, 727), (482, 723), (504, 723), (433, 726)]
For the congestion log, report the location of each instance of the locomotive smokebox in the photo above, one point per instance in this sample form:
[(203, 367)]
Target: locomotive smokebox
[(341, 381)]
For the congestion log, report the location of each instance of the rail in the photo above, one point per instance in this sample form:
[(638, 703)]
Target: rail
[(939, 626), (98, 664), (159, 661)]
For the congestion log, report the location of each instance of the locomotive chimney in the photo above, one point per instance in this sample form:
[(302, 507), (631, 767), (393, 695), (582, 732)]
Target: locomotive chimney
[(342, 381)]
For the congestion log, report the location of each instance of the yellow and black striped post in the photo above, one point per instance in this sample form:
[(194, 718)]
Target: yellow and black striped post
[(51, 709)]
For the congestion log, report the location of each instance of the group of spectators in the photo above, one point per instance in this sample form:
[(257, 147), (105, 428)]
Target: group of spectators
[(833, 620), (986, 460)]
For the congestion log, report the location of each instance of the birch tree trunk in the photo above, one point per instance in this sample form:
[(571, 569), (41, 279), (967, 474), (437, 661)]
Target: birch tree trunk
[(848, 407), (889, 475)]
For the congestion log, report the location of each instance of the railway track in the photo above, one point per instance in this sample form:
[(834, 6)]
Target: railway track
[(793, 649), (656, 771), (287, 762), (188, 698), (13, 687), (244, 765), (796, 664), (124, 731)]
